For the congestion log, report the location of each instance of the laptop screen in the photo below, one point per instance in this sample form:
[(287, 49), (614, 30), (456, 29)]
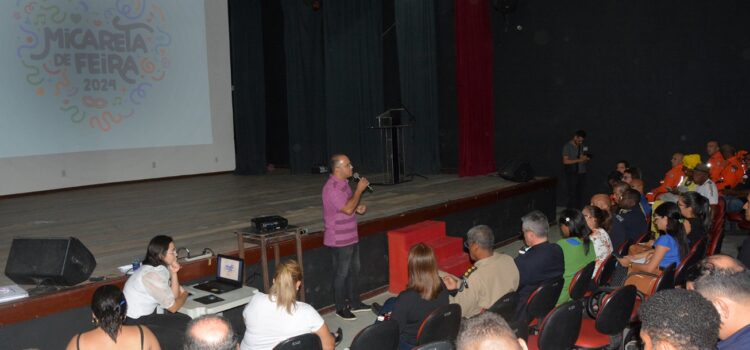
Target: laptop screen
[(229, 269)]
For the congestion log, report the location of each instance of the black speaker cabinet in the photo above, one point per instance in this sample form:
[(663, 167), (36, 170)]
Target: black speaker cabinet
[(517, 171), (58, 261)]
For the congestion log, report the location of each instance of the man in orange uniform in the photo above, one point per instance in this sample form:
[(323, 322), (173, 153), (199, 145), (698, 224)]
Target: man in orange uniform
[(715, 160), (672, 178), (732, 173)]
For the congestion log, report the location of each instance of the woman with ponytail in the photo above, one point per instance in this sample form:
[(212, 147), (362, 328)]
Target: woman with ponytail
[(671, 246), (274, 317), (108, 310), (576, 246)]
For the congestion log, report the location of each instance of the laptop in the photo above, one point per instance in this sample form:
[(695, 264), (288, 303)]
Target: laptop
[(229, 272)]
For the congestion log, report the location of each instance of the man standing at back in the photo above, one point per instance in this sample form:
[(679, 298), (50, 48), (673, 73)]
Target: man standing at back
[(340, 205), (574, 163)]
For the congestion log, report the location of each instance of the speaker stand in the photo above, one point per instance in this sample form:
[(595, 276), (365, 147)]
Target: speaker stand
[(43, 286)]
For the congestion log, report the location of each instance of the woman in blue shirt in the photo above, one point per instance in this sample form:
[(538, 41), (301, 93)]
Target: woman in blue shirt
[(670, 248)]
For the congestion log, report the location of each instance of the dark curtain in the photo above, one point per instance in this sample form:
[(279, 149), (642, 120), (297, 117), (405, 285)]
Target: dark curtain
[(474, 87), (353, 80), (303, 43), (248, 96), (417, 57)]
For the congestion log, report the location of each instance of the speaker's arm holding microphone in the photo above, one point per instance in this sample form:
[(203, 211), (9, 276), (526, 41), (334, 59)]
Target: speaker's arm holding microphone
[(352, 205)]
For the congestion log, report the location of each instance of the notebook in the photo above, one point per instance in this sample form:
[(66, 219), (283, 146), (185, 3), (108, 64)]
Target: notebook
[(229, 272)]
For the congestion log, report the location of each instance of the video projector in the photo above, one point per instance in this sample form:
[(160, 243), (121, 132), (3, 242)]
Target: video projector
[(269, 223)]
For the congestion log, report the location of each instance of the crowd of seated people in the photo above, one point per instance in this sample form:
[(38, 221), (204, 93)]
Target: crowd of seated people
[(670, 248), (681, 217)]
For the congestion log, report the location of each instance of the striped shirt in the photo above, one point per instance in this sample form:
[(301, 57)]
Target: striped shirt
[(340, 229)]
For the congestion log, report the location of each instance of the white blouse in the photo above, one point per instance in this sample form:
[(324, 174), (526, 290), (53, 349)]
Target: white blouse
[(148, 288), (602, 246), (267, 324)]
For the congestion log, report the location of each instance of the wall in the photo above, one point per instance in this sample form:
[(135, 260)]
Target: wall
[(643, 78)]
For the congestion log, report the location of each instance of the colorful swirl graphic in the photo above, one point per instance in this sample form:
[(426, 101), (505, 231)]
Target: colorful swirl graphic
[(92, 81)]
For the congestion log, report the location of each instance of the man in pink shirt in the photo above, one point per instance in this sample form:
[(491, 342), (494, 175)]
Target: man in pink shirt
[(340, 205)]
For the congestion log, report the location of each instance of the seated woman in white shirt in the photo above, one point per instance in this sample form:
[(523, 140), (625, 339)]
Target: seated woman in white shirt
[(154, 284), (277, 316), (595, 218)]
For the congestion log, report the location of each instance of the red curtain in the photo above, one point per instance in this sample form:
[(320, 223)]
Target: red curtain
[(474, 87)]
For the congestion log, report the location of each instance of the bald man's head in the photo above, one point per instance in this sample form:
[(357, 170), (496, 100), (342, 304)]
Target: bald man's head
[(601, 201), (724, 262), (210, 332), (488, 330)]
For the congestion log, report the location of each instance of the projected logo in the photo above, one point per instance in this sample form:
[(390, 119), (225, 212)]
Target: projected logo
[(97, 59)]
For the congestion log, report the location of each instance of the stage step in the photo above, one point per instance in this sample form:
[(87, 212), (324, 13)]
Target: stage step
[(448, 251), (456, 265), (446, 247)]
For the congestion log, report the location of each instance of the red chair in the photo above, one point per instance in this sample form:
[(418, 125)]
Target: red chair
[(691, 259), (581, 281), (542, 301), (716, 233), (605, 271), (559, 329), (441, 324), (505, 306), (613, 316)]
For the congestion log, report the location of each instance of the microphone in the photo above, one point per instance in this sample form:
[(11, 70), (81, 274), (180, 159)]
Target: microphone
[(355, 176)]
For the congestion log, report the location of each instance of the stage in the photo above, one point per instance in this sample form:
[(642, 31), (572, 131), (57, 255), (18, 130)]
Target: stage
[(115, 222)]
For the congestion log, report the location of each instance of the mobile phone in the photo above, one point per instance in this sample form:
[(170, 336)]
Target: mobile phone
[(617, 255)]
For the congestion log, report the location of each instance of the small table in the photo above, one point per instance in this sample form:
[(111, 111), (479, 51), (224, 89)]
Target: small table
[(235, 298), (274, 238)]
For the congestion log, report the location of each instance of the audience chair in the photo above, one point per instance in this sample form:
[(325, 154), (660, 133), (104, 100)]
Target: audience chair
[(700, 247), (605, 271), (612, 318), (581, 281), (643, 238), (559, 329), (716, 232), (679, 275), (307, 341), (666, 280), (380, 335), (505, 306), (441, 324), (542, 301), (438, 345), (623, 248)]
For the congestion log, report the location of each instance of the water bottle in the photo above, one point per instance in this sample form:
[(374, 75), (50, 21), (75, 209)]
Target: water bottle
[(136, 263)]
